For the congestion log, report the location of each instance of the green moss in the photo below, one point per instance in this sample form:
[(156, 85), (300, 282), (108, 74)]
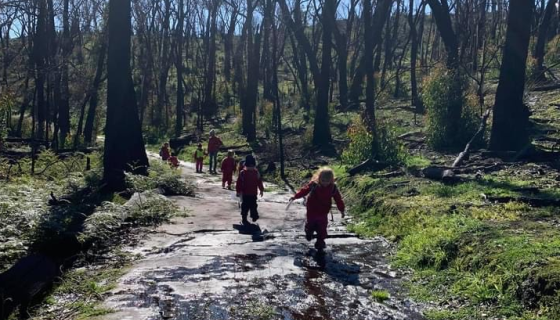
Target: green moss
[(380, 295)]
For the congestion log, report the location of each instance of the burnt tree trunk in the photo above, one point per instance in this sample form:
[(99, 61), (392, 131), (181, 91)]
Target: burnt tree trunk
[(371, 40), (321, 125), (440, 11), (419, 108), (179, 68), (64, 106), (542, 36), (511, 116), (124, 145), (94, 99)]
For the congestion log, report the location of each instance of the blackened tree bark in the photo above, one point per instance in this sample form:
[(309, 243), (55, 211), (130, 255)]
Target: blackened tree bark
[(40, 51), (372, 35), (64, 105), (297, 28), (164, 65), (413, 56), (210, 106), (94, 99), (228, 45), (266, 56), (321, 126), (542, 36), (371, 39), (342, 53), (252, 85), (179, 68), (124, 145), (511, 116), (440, 11)]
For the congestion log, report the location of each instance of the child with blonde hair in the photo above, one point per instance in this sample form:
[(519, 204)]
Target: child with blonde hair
[(320, 191)]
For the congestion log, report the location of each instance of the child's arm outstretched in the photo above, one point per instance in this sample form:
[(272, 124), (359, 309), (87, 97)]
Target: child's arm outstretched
[(302, 192)]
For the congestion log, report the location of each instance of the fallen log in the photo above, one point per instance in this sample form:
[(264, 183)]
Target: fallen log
[(444, 174), (481, 129), (549, 87), (534, 202), (368, 164)]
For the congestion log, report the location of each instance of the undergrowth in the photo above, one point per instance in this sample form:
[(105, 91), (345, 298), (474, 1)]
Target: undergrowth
[(493, 260)]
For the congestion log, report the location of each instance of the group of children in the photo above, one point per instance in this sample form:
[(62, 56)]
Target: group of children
[(166, 155), (319, 191)]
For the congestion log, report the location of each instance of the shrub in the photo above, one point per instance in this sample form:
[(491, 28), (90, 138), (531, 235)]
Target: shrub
[(389, 149), (446, 90)]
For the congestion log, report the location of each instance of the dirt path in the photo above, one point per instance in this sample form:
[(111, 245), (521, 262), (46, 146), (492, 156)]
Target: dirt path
[(206, 266)]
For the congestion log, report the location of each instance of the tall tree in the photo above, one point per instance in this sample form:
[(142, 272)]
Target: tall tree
[(64, 105), (321, 126), (179, 67), (542, 35), (442, 17), (413, 56), (511, 116), (124, 145), (371, 40)]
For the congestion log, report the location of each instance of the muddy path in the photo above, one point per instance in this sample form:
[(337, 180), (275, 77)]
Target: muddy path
[(207, 266)]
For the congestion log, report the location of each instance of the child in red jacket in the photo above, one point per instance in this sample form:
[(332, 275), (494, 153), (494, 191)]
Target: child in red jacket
[(173, 161), (199, 157), (248, 181), (320, 190), (164, 152), (228, 168)]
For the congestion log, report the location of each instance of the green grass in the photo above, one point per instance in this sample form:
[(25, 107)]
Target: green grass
[(380, 295), (501, 260)]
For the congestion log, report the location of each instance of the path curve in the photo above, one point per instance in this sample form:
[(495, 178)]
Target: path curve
[(206, 266)]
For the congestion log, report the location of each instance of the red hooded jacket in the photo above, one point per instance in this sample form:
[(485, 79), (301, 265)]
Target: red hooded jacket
[(248, 181), (228, 165), (319, 201), (214, 144)]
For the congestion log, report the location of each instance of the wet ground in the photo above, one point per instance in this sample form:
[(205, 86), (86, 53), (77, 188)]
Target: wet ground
[(208, 266)]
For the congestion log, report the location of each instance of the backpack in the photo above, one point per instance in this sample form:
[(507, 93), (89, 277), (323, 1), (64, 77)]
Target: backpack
[(314, 185), (242, 176)]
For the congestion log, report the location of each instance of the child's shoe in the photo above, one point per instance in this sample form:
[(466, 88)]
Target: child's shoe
[(255, 218)]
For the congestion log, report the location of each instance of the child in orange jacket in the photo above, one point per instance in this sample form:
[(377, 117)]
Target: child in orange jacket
[(248, 181), (228, 168), (198, 158), (320, 191)]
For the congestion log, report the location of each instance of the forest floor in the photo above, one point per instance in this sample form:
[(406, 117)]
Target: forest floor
[(209, 266)]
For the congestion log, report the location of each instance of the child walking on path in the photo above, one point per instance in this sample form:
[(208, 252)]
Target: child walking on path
[(228, 168), (214, 144), (248, 181), (198, 158), (320, 190), (173, 161), (164, 152)]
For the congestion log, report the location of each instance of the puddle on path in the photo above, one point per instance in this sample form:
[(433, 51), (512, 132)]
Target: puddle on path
[(209, 267)]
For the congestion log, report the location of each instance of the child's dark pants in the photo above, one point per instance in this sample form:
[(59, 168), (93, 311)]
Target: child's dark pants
[(319, 225), (249, 204)]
